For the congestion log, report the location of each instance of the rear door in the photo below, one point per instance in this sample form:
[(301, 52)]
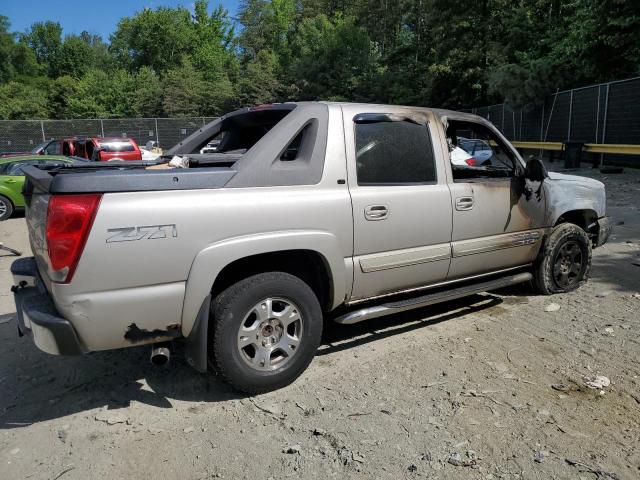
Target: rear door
[(401, 201)]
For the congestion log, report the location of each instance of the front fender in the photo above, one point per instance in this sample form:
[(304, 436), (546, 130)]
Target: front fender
[(210, 261), (566, 193)]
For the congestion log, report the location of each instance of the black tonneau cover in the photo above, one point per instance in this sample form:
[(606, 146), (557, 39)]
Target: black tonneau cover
[(105, 178)]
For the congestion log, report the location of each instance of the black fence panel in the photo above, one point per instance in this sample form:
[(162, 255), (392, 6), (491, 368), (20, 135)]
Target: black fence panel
[(25, 135)]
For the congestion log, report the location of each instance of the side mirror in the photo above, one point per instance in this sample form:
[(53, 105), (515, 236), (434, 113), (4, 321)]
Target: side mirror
[(535, 170)]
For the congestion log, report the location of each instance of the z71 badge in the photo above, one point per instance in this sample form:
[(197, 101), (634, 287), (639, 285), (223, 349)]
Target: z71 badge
[(148, 232)]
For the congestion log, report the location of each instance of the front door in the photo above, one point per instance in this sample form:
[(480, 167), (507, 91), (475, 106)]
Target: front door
[(497, 221), (401, 201)]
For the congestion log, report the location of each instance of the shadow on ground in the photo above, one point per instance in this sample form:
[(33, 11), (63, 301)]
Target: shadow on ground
[(37, 387)]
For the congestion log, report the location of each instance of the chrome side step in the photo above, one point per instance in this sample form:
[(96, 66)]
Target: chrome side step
[(390, 308)]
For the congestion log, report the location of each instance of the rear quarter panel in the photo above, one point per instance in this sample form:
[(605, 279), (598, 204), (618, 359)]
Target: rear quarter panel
[(159, 282)]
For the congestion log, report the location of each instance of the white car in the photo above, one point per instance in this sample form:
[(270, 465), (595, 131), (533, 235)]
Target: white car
[(462, 158), (148, 154), (478, 149)]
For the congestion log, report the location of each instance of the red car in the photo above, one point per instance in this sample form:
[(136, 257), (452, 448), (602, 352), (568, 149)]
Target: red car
[(92, 148), (110, 148)]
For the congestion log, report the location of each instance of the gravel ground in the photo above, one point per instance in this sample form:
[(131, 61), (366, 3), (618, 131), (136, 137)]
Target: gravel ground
[(460, 390)]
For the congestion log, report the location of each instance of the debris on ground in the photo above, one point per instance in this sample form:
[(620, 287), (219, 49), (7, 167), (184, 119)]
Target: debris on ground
[(471, 459), (188, 430), (561, 387), (291, 449), (598, 472), (599, 382), (552, 307), (110, 417), (603, 293), (540, 456)]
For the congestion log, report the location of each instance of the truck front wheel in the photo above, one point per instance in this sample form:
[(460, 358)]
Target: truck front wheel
[(6, 208), (565, 262), (265, 331)]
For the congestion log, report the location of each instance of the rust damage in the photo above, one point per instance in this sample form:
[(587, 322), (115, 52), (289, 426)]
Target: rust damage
[(135, 334)]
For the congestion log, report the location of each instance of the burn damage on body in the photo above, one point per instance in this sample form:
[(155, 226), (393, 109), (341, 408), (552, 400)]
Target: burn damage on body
[(567, 193), (135, 334)]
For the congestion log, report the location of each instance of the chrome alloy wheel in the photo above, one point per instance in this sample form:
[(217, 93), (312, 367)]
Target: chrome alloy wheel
[(270, 334)]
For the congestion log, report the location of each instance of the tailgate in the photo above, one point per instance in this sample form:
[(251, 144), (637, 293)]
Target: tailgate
[(36, 203)]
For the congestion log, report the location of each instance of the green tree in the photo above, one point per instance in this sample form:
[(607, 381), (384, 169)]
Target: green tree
[(147, 94), (45, 39), (154, 38), (332, 59), (19, 101), (260, 83), (183, 91)]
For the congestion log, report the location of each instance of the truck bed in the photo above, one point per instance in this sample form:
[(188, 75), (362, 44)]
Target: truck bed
[(98, 177)]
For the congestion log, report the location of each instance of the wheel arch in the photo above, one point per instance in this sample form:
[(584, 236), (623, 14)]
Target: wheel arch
[(222, 263), (585, 218)]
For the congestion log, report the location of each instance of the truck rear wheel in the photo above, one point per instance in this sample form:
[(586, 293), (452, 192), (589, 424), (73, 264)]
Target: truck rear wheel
[(565, 262), (265, 331)]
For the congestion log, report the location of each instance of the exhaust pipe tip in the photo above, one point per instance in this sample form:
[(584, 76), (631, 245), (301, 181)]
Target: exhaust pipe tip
[(160, 355)]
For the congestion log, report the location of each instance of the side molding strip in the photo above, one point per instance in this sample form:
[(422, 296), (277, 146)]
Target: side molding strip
[(495, 242), (404, 258)]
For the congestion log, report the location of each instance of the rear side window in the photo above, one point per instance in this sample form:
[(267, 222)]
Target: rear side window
[(394, 153), (117, 147)]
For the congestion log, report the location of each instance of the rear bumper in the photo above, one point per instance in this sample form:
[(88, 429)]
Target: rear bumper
[(36, 313), (604, 230)]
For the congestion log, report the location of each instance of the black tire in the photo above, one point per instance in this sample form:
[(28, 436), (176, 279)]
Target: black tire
[(6, 208), (564, 264), (233, 308)]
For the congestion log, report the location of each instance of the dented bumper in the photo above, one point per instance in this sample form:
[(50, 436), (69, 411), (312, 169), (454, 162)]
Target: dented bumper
[(36, 314), (604, 230)]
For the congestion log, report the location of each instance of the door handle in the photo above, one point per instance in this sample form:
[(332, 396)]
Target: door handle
[(464, 203), (376, 212)]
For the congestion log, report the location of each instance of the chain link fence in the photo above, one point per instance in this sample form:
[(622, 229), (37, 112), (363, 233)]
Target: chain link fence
[(24, 135), (607, 113)]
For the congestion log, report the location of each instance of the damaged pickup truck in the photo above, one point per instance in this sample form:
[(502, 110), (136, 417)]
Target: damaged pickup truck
[(306, 212)]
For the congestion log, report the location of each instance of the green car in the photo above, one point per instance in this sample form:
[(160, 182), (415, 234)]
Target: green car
[(12, 179)]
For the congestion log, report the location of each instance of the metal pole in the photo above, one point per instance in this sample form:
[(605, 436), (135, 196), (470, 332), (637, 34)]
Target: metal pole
[(157, 134), (606, 111), (520, 130), (44, 138), (570, 115), (604, 121), (203, 122), (102, 127), (598, 115)]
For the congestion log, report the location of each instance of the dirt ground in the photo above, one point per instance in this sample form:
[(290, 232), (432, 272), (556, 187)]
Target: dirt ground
[(461, 390)]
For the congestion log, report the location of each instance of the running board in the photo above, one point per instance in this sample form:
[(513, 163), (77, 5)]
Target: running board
[(430, 299)]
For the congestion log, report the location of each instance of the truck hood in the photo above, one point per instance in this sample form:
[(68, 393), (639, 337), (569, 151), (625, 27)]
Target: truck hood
[(571, 192), (563, 177)]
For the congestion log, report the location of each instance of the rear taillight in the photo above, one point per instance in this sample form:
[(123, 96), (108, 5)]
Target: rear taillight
[(471, 161), (69, 220)]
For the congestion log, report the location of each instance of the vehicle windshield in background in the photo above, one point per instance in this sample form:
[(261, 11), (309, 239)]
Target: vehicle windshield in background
[(37, 149)]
